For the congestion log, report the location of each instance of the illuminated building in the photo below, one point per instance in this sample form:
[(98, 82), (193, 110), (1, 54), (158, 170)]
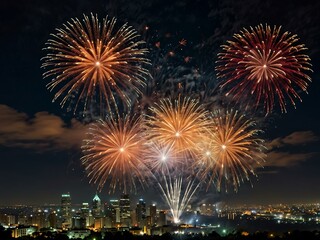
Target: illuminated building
[(162, 219), (66, 210), (153, 214), (52, 219), (23, 220), (39, 219), (21, 231), (113, 212), (78, 222), (85, 212), (141, 212), (134, 218), (11, 219), (96, 207), (98, 223), (124, 204), (207, 209)]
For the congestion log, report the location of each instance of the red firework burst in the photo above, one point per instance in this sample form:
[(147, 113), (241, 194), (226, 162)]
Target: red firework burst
[(265, 64)]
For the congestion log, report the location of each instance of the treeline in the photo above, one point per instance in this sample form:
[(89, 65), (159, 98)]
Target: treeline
[(294, 235)]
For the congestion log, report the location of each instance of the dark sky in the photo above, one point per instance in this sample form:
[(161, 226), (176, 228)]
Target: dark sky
[(40, 142)]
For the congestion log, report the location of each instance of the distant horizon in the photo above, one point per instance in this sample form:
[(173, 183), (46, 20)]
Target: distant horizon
[(311, 202), (245, 143)]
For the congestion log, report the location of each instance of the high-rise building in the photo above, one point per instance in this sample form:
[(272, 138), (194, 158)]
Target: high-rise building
[(207, 209), (23, 220), (66, 209), (153, 214), (162, 220), (113, 212), (85, 213), (124, 204), (96, 206), (52, 219), (39, 219), (133, 215), (141, 212), (78, 222), (11, 219)]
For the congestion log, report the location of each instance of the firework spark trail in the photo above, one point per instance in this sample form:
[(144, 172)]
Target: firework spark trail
[(114, 150), (178, 124), (95, 61), (176, 195), (233, 150), (266, 65)]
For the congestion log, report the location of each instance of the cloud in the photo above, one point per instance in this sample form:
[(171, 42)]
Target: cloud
[(291, 150), (287, 159), (42, 132), (295, 138)]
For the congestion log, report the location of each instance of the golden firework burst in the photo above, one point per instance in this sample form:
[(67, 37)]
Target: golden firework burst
[(178, 124), (233, 151), (114, 150), (93, 61)]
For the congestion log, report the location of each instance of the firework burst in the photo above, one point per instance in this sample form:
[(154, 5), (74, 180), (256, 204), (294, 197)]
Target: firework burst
[(159, 158), (233, 151), (177, 124), (114, 150), (177, 194), (93, 61), (265, 64)]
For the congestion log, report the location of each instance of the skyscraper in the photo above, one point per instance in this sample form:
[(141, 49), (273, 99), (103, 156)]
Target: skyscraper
[(85, 212), (162, 218), (141, 212), (113, 212), (66, 209), (96, 206), (52, 219), (125, 210), (153, 214)]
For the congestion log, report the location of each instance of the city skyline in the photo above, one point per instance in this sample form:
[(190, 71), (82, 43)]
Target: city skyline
[(40, 142), (144, 218)]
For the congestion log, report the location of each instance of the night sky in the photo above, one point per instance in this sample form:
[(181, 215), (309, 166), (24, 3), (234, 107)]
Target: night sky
[(40, 142)]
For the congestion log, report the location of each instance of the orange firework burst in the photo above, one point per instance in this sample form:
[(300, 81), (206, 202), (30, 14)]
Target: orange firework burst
[(266, 65), (114, 151), (178, 124), (90, 60), (233, 150)]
